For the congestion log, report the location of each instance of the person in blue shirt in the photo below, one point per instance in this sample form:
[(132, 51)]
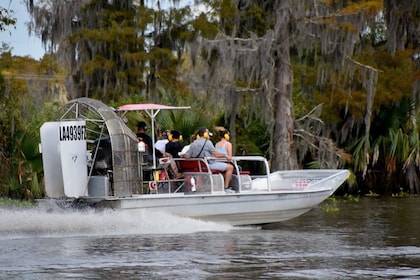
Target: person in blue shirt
[(203, 147)]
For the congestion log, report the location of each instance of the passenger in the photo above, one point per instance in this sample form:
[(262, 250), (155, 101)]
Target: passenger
[(143, 137), (203, 147), (187, 147), (173, 148), (224, 146), (163, 140)]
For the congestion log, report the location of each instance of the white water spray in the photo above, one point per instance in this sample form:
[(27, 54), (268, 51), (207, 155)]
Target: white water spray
[(21, 223)]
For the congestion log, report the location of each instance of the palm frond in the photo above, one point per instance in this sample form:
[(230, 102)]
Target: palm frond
[(35, 188), (186, 121), (358, 153)]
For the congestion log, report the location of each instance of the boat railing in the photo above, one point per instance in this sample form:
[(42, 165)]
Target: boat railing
[(158, 179), (264, 172), (242, 179), (199, 176)]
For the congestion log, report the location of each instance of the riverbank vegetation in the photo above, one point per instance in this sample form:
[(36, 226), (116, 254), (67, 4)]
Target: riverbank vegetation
[(308, 84)]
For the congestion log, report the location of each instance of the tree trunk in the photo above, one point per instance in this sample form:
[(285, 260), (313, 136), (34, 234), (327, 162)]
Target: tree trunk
[(232, 118), (283, 156), (399, 20)]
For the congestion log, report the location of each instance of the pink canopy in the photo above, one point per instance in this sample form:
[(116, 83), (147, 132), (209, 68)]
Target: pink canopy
[(148, 106), (152, 110)]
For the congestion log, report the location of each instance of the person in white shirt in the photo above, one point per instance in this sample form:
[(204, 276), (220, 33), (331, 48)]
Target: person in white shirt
[(161, 143)]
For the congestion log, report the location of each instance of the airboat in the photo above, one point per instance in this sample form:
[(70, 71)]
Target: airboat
[(91, 157)]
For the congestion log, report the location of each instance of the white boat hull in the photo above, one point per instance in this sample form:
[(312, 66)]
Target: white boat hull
[(245, 208)]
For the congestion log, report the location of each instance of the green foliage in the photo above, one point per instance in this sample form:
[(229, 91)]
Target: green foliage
[(401, 193), (13, 203), (6, 19), (252, 137), (352, 198), (358, 154), (124, 51), (21, 116), (185, 121), (26, 166), (372, 194), (131, 55), (204, 27), (242, 20), (392, 155), (227, 14), (330, 205)]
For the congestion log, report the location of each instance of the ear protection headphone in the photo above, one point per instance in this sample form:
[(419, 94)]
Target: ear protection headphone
[(226, 136), (171, 137), (205, 135)]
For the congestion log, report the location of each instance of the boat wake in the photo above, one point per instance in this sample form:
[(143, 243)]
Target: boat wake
[(41, 222)]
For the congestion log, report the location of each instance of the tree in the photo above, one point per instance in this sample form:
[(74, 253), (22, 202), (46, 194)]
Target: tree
[(283, 150), (348, 68), (253, 65), (6, 19), (26, 86), (114, 49), (402, 21)]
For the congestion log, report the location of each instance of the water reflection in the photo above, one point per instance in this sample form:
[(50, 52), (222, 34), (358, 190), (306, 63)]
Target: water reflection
[(372, 238)]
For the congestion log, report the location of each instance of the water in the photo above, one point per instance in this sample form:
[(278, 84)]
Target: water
[(369, 239)]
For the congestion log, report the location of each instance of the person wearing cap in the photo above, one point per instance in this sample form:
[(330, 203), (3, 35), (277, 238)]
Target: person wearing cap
[(203, 147), (143, 137)]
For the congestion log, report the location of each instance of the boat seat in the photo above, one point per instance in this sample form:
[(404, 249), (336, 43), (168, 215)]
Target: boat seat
[(207, 180), (196, 165), (201, 165)]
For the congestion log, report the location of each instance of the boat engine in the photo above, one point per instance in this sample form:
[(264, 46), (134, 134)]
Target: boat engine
[(102, 160)]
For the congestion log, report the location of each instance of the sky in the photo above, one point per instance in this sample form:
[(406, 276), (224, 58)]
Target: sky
[(18, 39)]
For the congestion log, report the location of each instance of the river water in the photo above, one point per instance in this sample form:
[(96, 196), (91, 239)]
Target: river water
[(367, 239)]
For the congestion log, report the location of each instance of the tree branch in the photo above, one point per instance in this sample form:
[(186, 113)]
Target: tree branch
[(363, 65)]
